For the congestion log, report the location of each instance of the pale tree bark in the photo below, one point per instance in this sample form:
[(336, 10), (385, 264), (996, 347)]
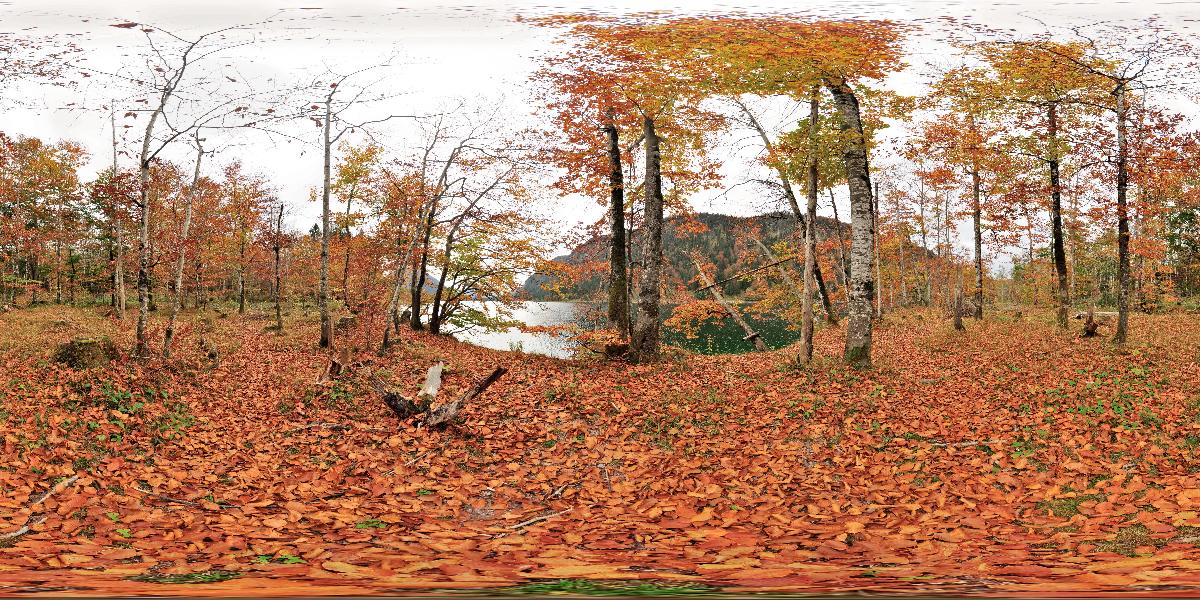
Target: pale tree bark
[(1122, 332), (169, 335), (618, 269), (810, 232), (142, 349), (118, 235), (858, 177), (644, 343)]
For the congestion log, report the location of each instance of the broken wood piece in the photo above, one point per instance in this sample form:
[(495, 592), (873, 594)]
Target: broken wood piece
[(403, 406), (447, 412), (433, 383)]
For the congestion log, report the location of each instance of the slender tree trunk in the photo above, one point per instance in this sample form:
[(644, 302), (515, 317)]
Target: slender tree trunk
[(794, 204), (977, 218), (421, 272), (277, 246), (142, 349), (1056, 222), (876, 257), (323, 297), (1122, 332), (435, 311), (346, 262), (644, 344), (242, 270), (618, 270), (858, 177), (810, 231), (118, 235), (169, 336), (843, 253)]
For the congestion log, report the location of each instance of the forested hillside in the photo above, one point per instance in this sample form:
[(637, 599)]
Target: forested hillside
[(724, 240)]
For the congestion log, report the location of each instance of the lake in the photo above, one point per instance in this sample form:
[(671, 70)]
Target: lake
[(719, 337)]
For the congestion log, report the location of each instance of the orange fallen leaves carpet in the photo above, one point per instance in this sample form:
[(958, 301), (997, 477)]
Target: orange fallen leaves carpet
[(1010, 459)]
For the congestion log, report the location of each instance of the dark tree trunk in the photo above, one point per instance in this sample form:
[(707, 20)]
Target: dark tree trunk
[(323, 293), (618, 271), (810, 232), (1056, 223), (1123, 275)]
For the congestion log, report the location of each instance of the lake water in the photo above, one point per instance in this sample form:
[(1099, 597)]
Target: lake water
[(720, 337)]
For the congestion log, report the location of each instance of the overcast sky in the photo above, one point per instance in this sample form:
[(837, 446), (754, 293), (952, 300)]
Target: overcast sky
[(445, 51)]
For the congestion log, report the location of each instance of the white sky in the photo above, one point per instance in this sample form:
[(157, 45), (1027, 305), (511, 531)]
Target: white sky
[(474, 51)]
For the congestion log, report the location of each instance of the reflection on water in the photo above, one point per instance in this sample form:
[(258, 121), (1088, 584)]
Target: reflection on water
[(723, 337)]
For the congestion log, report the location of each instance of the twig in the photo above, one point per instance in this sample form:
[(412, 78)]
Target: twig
[(37, 519), (556, 493), (407, 463), (535, 520), (333, 426), (182, 501), (964, 444)]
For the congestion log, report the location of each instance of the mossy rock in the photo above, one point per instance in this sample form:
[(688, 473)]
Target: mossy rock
[(86, 353), (346, 322)]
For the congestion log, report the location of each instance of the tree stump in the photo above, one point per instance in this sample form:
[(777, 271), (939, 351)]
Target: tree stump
[(86, 353), (345, 322)]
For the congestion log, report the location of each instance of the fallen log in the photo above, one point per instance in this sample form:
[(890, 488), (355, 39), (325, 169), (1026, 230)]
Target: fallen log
[(447, 412), (715, 291)]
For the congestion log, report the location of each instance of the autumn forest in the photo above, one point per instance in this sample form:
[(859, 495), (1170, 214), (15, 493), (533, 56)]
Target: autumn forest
[(854, 305)]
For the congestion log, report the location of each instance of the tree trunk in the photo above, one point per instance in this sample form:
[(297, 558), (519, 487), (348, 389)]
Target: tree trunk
[(118, 235), (794, 204), (618, 270), (346, 262), (644, 345), (858, 177), (169, 336), (977, 218), (242, 269), (876, 256), (323, 297), (435, 311), (142, 349), (277, 247), (810, 232), (1123, 278), (421, 273), (1056, 224)]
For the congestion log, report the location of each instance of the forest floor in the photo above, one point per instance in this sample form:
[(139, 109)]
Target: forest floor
[(1008, 459)]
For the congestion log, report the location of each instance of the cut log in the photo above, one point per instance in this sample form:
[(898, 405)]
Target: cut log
[(406, 407), (447, 412)]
